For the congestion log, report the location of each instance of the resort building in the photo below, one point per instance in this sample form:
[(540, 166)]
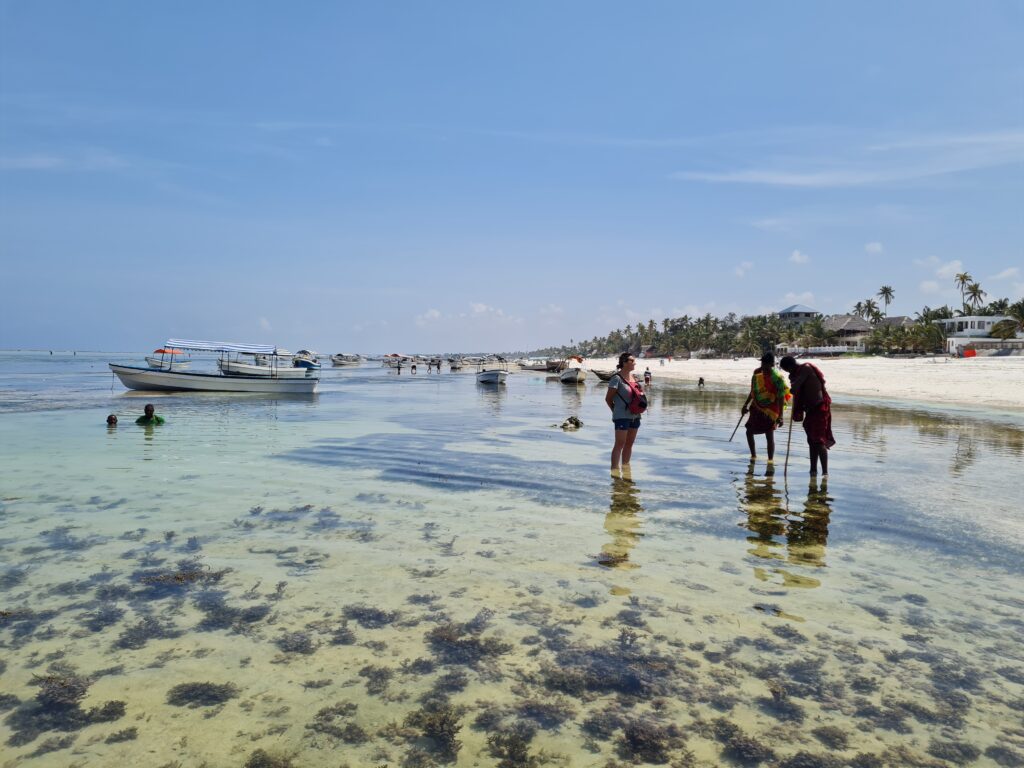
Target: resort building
[(798, 314), (972, 335), (851, 331)]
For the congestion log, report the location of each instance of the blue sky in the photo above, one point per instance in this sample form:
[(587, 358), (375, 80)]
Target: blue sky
[(475, 175)]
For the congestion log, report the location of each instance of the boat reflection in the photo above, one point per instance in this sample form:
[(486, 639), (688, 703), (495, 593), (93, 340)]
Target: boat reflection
[(783, 536)]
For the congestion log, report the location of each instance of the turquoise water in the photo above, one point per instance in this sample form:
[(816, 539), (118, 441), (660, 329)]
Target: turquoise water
[(423, 571)]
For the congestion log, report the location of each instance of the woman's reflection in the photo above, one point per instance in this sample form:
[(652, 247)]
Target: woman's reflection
[(782, 535), (622, 522)]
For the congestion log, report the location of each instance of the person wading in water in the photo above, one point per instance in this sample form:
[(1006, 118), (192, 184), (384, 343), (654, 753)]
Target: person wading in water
[(813, 406), (768, 395)]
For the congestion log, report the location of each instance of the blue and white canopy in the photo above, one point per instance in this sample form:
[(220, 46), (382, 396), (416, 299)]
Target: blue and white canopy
[(220, 346)]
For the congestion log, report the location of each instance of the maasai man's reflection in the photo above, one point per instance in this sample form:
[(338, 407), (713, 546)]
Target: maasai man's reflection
[(808, 531), (784, 535), (622, 522)]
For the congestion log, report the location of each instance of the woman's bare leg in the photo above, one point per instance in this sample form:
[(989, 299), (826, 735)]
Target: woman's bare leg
[(627, 450)]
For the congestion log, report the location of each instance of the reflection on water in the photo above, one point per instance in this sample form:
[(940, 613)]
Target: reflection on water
[(623, 523), (796, 537), (402, 572)]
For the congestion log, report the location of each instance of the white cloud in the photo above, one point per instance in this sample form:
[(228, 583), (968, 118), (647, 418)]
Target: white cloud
[(931, 261), (928, 287), (1006, 274), (874, 247), (430, 316), (950, 268), (743, 268), (916, 157), (799, 258), (264, 324), (799, 298), (772, 225)]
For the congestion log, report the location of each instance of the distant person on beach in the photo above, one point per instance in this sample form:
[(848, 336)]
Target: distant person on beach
[(812, 406), (663, 362), (621, 387), (112, 420), (700, 383), (647, 377), (768, 393), (413, 368), (149, 416)]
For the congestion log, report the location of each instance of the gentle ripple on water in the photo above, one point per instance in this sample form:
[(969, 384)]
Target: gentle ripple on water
[(423, 571)]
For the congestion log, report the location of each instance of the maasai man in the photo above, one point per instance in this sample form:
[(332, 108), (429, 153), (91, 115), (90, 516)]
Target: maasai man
[(768, 395), (812, 406)]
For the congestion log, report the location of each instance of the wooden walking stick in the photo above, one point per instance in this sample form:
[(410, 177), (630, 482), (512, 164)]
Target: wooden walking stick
[(789, 440), (737, 427)]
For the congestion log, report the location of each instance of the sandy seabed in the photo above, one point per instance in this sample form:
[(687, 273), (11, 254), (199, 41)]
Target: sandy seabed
[(986, 382)]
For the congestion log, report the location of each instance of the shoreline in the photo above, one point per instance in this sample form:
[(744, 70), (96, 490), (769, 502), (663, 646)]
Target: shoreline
[(993, 384)]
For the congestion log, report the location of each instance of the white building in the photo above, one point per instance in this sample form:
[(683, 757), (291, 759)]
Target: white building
[(973, 332)]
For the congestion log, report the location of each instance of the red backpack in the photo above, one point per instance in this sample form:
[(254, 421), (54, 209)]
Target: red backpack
[(637, 400)]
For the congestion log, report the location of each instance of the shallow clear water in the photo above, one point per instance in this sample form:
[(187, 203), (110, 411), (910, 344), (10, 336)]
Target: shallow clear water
[(422, 570)]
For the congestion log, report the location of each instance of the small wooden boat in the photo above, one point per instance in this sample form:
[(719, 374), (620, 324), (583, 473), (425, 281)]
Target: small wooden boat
[(164, 359), (603, 375), (573, 376)]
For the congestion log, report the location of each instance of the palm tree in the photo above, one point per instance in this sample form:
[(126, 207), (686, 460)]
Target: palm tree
[(858, 309), (961, 281), (886, 294), (975, 296), (870, 309), (1013, 325)]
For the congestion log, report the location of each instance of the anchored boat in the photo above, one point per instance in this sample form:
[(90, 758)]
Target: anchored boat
[(166, 380)]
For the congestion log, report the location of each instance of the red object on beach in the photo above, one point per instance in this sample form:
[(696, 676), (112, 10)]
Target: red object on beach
[(970, 353)]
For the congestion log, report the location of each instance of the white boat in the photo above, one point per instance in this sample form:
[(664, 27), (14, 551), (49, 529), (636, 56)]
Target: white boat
[(284, 370), (575, 373), (455, 363), (493, 371), (167, 359), (343, 359), (163, 380), (306, 359)]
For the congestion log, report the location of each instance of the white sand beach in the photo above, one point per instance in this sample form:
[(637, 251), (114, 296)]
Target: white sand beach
[(983, 382)]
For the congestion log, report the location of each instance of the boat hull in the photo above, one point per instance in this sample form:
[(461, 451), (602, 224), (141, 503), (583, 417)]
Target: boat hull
[(572, 376), (491, 377), (152, 380)]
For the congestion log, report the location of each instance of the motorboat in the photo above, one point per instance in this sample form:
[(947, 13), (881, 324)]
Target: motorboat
[(455, 363), (265, 365), (342, 359), (492, 371), (306, 359), (168, 380), (167, 359)]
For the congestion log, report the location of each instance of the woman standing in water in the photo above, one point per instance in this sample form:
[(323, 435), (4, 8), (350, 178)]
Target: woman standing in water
[(620, 393)]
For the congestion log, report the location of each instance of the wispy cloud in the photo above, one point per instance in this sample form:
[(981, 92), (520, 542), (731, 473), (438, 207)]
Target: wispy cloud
[(797, 257), (929, 287), (84, 160), (950, 269), (878, 164), (799, 298), (875, 247), (1006, 274), (741, 269), (428, 317)]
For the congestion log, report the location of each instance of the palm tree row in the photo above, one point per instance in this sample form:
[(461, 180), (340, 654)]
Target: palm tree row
[(752, 335)]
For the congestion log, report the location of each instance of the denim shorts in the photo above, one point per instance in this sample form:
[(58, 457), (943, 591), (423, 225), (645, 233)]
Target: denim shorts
[(626, 423)]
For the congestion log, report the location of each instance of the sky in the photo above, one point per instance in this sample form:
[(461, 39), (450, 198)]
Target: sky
[(471, 176)]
